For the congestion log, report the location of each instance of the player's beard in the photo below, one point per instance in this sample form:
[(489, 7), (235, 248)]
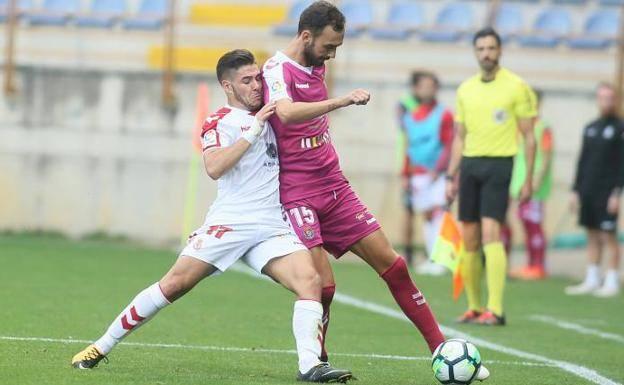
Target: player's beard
[(310, 58), (250, 104), (489, 65)]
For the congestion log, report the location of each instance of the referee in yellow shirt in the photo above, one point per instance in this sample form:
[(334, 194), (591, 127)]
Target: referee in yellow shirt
[(492, 107)]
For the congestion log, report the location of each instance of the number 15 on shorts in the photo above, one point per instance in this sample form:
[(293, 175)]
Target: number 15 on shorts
[(302, 215)]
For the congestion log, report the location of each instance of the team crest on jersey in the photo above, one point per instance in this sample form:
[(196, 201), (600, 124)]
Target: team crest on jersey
[(500, 116), (608, 132), (308, 233), (271, 150), (360, 216)]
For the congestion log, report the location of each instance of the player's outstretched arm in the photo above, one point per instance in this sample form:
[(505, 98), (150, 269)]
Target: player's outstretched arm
[(290, 112), (218, 161)]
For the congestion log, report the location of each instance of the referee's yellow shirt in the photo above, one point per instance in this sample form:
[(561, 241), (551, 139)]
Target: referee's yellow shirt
[(490, 111)]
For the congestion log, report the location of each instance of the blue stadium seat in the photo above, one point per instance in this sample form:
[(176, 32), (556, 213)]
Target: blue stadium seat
[(23, 7), (151, 16), (291, 24), (611, 2), (509, 21), (404, 18), (55, 12), (549, 29), (570, 2), (600, 31), (452, 22), (104, 14), (359, 15)]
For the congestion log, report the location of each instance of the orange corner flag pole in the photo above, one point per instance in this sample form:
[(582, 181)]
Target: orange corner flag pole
[(201, 112)]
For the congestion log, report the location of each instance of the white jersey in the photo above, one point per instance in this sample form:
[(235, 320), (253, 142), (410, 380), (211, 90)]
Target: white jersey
[(251, 187)]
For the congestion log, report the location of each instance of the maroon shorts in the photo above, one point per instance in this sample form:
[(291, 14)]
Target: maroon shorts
[(334, 219)]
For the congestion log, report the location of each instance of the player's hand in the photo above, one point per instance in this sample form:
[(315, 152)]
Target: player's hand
[(526, 191), (259, 124), (613, 205), (451, 190), (574, 201), (358, 97), (265, 112)]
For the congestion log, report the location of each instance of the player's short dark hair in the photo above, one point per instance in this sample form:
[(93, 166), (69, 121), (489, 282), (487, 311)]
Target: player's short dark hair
[(319, 15), (417, 76), (488, 31), (233, 60)]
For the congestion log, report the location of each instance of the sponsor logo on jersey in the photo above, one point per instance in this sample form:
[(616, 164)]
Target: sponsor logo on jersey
[(316, 141), (302, 85), (271, 150), (272, 63), (245, 128), (277, 86), (210, 138), (370, 221), (500, 116), (360, 216)]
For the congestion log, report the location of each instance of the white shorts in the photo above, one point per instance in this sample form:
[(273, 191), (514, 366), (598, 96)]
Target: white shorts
[(427, 193), (221, 245)]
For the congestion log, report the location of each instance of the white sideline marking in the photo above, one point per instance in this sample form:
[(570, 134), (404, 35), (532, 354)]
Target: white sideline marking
[(248, 350), (577, 370), (577, 328)]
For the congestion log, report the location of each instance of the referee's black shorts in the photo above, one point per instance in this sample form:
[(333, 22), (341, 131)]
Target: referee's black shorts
[(593, 212), (484, 188)]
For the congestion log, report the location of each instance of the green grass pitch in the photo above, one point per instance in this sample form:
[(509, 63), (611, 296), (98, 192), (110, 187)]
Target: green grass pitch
[(60, 289)]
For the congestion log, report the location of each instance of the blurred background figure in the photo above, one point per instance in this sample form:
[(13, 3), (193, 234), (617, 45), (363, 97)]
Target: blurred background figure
[(531, 212), (597, 189), (427, 126)]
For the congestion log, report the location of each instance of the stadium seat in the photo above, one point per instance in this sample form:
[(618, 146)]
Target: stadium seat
[(550, 27), (151, 16), (55, 12), (23, 7), (404, 18), (509, 21), (103, 14), (570, 2), (611, 2), (600, 31), (452, 22), (289, 26), (359, 15)]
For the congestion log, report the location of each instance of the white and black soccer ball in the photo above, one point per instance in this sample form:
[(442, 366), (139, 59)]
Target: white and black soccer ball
[(456, 362)]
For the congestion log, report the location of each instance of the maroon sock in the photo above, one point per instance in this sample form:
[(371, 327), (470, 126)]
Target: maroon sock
[(412, 302), (536, 243), (326, 298), (506, 237)]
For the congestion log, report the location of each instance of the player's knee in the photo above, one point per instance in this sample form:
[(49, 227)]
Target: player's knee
[(308, 284), (174, 287)]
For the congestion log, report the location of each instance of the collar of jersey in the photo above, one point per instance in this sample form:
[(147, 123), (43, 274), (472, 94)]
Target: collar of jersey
[(240, 110), (284, 57)]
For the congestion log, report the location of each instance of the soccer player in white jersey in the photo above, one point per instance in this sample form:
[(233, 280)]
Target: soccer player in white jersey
[(245, 222)]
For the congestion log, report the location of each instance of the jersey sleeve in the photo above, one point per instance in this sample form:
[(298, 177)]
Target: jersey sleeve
[(525, 102), (459, 107), (275, 82), (214, 133)]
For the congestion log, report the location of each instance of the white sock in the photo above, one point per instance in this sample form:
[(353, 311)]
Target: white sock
[(611, 279), (593, 275), (140, 310), (308, 331)]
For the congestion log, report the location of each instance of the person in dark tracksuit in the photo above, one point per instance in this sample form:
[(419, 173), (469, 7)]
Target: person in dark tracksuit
[(597, 189)]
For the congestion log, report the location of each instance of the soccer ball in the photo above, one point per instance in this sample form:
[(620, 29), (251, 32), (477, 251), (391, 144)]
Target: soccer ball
[(456, 361)]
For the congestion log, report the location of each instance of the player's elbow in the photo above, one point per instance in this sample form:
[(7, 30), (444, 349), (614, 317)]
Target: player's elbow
[(213, 172), (284, 115)]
